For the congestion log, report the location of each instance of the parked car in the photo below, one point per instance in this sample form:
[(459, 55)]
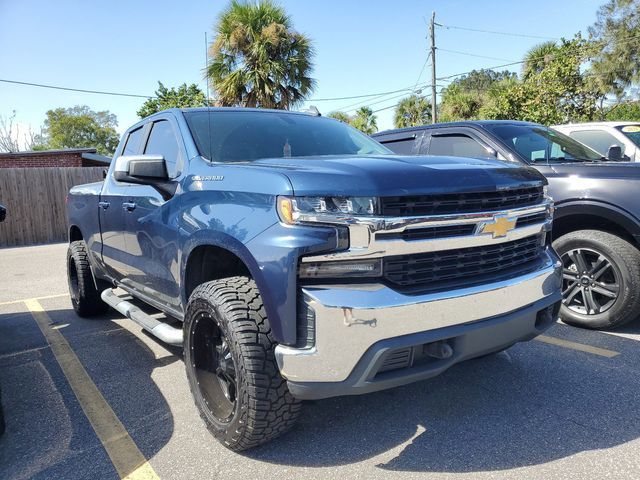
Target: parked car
[(306, 260), (596, 227), (601, 136), (3, 212)]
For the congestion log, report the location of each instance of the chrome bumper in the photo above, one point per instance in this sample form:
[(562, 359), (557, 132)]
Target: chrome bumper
[(351, 319)]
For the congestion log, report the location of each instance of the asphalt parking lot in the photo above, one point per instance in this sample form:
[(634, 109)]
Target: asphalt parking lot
[(564, 407)]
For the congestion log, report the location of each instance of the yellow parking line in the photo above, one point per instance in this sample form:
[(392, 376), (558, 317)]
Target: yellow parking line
[(24, 300), (577, 346), (127, 459)]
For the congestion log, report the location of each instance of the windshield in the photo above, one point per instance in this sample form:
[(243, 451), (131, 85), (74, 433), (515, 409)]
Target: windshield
[(538, 144), (240, 136), (632, 132)]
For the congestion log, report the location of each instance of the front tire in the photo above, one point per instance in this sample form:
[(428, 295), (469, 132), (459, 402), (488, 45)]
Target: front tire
[(231, 366), (601, 279), (85, 296)]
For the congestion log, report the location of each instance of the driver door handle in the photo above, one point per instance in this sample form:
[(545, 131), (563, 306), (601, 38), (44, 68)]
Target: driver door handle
[(129, 206), (104, 205)]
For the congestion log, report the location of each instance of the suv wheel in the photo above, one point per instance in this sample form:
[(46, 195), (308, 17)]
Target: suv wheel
[(85, 296), (231, 366), (601, 279)]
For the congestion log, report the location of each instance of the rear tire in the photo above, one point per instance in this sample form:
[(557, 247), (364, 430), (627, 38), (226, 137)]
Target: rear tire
[(601, 279), (85, 297), (231, 366)]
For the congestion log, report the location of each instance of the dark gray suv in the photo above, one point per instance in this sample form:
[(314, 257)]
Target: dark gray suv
[(596, 228)]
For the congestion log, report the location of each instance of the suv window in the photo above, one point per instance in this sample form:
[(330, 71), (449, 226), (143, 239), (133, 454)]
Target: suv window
[(599, 140), (133, 142), (162, 141), (401, 146), (457, 145)]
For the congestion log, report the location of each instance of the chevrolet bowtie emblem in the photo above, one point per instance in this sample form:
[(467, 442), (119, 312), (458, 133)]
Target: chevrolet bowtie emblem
[(499, 227)]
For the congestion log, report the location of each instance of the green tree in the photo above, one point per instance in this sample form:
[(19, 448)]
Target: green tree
[(80, 127), (625, 111), (343, 117), (257, 59), (617, 32), (365, 121), (412, 111), (558, 92), (468, 96), (184, 97), (481, 80)]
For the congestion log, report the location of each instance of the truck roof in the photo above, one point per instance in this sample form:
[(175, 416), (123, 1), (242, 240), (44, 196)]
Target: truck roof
[(596, 124), (466, 123)]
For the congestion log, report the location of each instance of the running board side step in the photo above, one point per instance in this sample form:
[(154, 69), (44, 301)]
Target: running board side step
[(160, 330)]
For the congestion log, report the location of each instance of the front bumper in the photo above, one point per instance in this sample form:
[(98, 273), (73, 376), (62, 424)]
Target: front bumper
[(352, 323)]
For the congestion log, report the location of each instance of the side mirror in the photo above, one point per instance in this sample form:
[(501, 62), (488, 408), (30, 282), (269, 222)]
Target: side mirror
[(145, 170), (614, 153), (141, 169)]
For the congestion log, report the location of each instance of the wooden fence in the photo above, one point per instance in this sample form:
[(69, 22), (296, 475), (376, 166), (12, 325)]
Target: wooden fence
[(35, 201)]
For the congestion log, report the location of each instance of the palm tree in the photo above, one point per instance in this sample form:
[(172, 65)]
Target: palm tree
[(538, 57), (412, 111), (257, 59), (365, 121)]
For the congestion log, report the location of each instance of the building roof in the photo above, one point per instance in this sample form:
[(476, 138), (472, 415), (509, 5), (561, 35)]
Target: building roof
[(49, 152)]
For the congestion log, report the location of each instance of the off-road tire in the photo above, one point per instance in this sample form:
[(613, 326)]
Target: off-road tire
[(85, 295), (625, 259), (263, 407)]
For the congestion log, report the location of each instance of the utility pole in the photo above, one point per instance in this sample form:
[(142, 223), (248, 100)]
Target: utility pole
[(432, 34)]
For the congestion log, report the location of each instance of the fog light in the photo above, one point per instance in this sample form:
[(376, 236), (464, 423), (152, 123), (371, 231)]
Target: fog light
[(342, 269)]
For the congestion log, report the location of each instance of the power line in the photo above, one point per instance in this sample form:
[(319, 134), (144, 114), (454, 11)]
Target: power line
[(81, 90), (358, 96), (380, 101), (473, 55), (494, 32)]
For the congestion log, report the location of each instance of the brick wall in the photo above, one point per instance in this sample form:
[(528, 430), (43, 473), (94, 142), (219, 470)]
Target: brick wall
[(57, 158)]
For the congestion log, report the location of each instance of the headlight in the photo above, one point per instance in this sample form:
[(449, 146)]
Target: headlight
[(341, 269), (294, 210)]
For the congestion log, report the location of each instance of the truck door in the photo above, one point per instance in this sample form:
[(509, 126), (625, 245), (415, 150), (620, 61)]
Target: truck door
[(151, 231), (112, 214)]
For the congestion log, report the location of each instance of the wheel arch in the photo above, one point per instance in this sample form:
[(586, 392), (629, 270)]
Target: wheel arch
[(75, 233), (593, 215)]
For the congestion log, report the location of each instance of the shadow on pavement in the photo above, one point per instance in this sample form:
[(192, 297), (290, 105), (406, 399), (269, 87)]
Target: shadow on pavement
[(47, 434), (530, 405)]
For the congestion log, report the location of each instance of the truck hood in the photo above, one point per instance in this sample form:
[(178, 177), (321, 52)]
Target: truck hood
[(389, 175)]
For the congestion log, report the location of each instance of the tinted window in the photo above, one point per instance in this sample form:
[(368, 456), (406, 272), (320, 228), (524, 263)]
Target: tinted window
[(536, 143), (132, 146), (632, 132), (599, 140), (403, 146), (162, 141), (240, 136), (457, 145)]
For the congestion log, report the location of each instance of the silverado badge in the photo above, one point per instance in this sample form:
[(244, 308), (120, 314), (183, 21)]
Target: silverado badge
[(499, 227)]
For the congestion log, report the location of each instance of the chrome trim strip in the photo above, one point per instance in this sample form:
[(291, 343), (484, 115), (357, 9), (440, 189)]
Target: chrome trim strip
[(351, 318), (364, 243)]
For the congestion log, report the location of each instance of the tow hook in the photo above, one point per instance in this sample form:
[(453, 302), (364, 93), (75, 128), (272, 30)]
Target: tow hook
[(440, 350)]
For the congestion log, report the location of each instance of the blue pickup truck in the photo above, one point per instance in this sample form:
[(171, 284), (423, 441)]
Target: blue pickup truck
[(295, 258)]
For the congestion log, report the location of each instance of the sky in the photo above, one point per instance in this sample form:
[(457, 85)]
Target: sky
[(361, 47)]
